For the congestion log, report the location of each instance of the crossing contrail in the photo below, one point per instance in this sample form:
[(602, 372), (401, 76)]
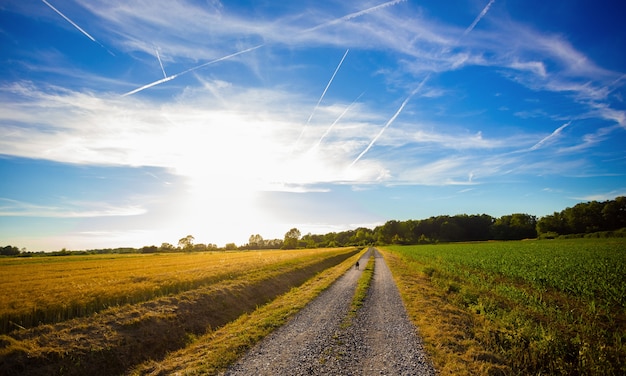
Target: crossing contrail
[(190, 70), (322, 96), (76, 26), (391, 120), (478, 18), (162, 80), (160, 62), (333, 22)]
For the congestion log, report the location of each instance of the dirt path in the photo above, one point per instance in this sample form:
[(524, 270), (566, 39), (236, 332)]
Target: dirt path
[(380, 341)]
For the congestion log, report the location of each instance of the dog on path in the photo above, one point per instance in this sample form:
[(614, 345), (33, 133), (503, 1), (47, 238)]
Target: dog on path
[(357, 265)]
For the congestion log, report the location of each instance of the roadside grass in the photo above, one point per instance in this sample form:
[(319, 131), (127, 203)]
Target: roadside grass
[(213, 352), (47, 290), (444, 328), (360, 293), (117, 339), (528, 307)]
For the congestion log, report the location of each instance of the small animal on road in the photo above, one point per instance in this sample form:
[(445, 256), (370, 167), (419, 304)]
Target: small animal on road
[(357, 265)]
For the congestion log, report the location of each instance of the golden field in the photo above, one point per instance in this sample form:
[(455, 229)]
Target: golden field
[(108, 314), (52, 289)]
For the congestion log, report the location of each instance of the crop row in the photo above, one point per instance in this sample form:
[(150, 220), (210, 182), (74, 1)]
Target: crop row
[(547, 307)]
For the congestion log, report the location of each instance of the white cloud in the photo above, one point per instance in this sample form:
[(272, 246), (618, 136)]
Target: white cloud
[(73, 209), (604, 196)]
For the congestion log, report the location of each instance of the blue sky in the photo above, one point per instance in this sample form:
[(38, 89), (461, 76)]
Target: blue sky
[(135, 123)]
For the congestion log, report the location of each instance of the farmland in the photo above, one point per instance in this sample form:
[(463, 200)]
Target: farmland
[(108, 313), (524, 307)]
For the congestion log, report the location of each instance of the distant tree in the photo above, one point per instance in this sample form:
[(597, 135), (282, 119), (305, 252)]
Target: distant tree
[(309, 241), (515, 227), (149, 249), (585, 217), (167, 247), (363, 236), (255, 241), (614, 213), (186, 243), (9, 251), (199, 247), (291, 238), (230, 247), (273, 244), (450, 231)]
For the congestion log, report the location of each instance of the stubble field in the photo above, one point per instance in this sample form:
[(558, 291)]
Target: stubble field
[(107, 314)]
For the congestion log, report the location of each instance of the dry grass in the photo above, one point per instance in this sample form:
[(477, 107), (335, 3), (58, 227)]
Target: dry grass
[(215, 351), (54, 289), (119, 338)]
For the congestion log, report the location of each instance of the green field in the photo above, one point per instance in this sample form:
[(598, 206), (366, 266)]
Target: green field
[(537, 307)]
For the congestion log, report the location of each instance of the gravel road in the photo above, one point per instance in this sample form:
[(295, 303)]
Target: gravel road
[(380, 341)]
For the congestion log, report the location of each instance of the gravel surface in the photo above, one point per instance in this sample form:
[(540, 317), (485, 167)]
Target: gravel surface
[(380, 341)]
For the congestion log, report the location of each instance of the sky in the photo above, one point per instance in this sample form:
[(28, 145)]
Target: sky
[(134, 123)]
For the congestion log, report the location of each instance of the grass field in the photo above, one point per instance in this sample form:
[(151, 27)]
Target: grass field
[(143, 306), (525, 307)]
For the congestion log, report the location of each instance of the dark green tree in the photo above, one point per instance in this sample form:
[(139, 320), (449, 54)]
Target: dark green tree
[(9, 251)]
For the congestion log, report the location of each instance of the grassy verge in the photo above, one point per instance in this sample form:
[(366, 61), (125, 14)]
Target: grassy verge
[(360, 293), (215, 351)]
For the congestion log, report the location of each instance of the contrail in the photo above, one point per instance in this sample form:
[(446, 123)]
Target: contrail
[(337, 120), (354, 15), (76, 26), (478, 18), (162, 80), (552, 135), (190, 70), (327, 86), (160, 62), (393, 118), (333, 22), (322, 96)]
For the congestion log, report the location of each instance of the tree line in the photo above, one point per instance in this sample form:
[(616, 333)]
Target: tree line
[(607, 218), (586, 218)]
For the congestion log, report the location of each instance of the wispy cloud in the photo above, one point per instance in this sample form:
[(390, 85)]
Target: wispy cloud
[(15, 208), (604, 196)]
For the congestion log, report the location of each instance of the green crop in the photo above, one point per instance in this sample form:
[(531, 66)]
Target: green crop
[(552, 306)]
